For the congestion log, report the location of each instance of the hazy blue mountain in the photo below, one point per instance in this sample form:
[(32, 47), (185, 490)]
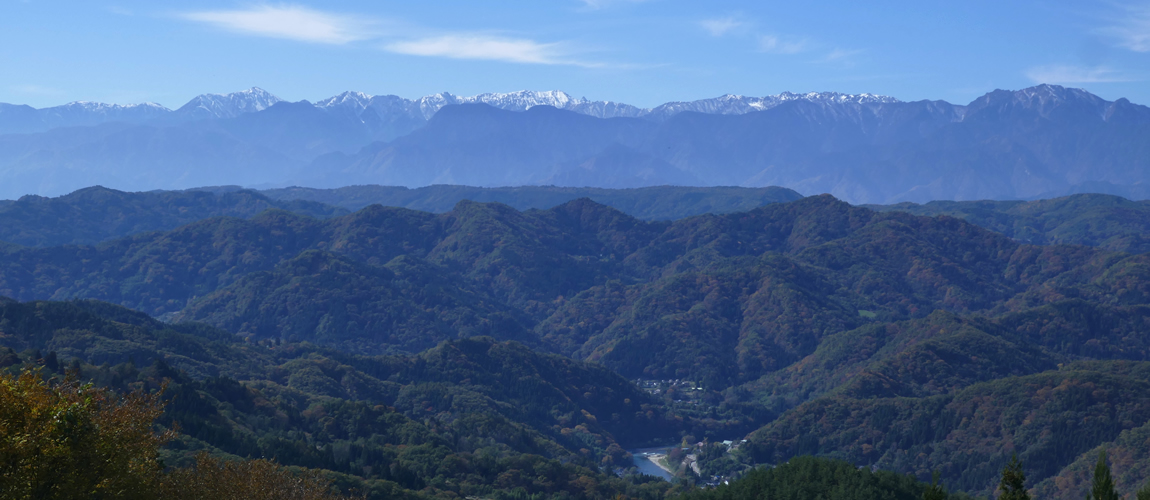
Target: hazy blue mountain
[(619, 166), (1041, 142), (297, 130), (133, 158), (26, 119), (22, 119), (95, 214), (479, 145), (389, 116)]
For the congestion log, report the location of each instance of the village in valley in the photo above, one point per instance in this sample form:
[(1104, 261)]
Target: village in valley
[(700, 462)]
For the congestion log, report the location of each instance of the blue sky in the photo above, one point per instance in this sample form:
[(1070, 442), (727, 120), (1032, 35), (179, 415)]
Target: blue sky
[(643, 52)]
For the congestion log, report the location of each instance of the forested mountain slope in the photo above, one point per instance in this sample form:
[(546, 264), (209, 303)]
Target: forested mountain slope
[(96, 214), (648, 203), (883, 338), (457, 419), (750, 292), (1099, 220)]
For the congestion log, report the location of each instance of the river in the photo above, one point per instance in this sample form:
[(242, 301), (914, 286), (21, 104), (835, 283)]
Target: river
[(646, 466)]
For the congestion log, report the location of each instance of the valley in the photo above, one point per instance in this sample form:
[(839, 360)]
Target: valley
[(577, 337), (574, 250)]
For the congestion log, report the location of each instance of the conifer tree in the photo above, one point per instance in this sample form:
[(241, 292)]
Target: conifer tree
[(1144, 493), (1013, 483), (934, 491), (1102, 487)]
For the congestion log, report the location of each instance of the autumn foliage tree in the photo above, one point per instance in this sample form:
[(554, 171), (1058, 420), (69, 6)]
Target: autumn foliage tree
[(73, 440), (244, 480), (68, 440)]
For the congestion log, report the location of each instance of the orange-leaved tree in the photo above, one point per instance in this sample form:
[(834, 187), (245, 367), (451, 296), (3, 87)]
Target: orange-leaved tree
[(62, 439), (65, 439)]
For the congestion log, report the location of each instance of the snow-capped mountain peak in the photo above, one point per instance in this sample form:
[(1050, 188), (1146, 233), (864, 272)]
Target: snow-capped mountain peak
[(100, 107), (731, 104), (81, 113), (522, 100), (526, 99), (357, 101), (228, 105), (1042, 99)]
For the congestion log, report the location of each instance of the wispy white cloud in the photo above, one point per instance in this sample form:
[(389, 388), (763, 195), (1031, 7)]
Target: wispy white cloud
[(721, 26), (309, 25), (485, 47), (1131, 28), (773, 44), (289, 22), (1062, 73)]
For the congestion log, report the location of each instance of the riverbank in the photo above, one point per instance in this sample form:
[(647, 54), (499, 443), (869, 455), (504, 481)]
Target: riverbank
[(660, 461), (651, 461)]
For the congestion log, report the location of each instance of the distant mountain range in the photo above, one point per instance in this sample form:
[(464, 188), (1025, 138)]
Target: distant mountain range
[(373, 110), (1043, 141)]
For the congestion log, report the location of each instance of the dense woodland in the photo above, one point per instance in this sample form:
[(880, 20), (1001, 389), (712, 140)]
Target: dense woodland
[(487, 351)]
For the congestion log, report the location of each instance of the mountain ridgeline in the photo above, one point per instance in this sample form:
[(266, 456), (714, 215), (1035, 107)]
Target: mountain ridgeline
[(1043, 141), (887, 339), (1097, 220), (751, 292), (96, 214)]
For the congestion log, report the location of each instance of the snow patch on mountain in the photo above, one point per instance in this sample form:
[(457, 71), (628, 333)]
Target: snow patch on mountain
[(523, 100), (426, 107), (231, 105), (1043, 99), (736, 104)]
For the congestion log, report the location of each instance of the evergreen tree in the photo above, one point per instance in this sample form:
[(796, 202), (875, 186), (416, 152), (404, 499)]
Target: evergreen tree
[(934, 491), (1013, 483), (1103, 485), (1144, 493)]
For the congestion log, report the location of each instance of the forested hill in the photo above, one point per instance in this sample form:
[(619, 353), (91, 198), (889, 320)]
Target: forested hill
[(1099, 220), (648, 203), (908, 342), (458, 420), (745, 294), (97, 214)]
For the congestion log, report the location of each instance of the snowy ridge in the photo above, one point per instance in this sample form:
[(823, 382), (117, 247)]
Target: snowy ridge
[(388, 116), (736, 104), (425, 107), (227, 105), (99, 107), (1044, 99), (91, 113), (525, 99), (356, 101)]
